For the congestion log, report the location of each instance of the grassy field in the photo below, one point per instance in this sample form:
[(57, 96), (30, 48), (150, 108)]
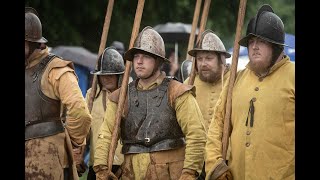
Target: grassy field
[(84, 176)]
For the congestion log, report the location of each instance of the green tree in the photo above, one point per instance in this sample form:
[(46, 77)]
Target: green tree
[(80, 22)]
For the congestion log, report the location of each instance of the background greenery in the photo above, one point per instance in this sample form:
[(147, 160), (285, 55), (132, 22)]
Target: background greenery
[(80, 22)]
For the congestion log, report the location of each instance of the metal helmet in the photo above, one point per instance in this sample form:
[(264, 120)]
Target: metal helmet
[(209, 41), (148, 41), (119, 46), (33, 27), (110, 62), (265, 25), (185, 69)]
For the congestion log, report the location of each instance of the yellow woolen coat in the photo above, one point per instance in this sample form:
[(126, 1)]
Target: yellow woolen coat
[(265, 150), (98, 113)]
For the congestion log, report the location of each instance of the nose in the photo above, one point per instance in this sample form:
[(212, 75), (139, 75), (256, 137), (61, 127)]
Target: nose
[(138, 59), (255, 44)]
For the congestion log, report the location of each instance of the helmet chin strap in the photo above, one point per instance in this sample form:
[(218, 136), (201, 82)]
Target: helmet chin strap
[(276, 51)]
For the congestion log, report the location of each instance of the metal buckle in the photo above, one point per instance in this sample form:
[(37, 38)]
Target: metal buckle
[(147, 139)]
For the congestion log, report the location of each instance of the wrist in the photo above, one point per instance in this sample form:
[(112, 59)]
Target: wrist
[(100, 168)]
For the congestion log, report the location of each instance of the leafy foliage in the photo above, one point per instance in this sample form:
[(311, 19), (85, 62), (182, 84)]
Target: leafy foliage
[(80, 22)]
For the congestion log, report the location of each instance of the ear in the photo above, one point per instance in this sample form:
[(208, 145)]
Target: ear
[(222, 57)]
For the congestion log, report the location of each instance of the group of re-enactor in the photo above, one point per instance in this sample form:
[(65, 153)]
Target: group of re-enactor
[(169, 130)]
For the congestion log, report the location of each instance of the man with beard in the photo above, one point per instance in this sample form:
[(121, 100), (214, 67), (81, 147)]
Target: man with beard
[(263, 109), (212, 71), (57, 119), (161, 129)]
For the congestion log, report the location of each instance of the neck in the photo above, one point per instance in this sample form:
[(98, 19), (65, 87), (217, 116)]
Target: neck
[(149, 80)]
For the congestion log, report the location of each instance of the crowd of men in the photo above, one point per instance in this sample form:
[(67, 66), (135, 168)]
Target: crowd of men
[(169, 129)]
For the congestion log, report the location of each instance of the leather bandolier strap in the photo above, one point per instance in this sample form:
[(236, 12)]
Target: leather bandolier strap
[(42, 114)]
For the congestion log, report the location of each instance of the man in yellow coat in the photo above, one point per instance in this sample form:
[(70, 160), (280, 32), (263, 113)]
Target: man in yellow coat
[(53, 140), (212, 71), (109, 71), (161, 129), (263, 109)]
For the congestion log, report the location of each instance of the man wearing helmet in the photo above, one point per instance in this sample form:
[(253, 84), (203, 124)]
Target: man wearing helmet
[(109, 71), (210, 58), (263, 109), (161, 129), (212, 71), (53, 140)]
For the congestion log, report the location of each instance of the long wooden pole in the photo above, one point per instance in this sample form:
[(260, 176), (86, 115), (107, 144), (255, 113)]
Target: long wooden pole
[(203, 23), (194, 27), (234, 64), (124, 86), (102, 46)]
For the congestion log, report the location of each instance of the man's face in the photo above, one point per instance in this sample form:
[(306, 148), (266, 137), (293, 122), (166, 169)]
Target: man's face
[(143, 65), (260, 54), (109, 82), (208, 65)]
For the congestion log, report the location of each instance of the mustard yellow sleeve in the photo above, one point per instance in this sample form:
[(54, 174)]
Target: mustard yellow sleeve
[(213, 149), (186, 81), (87, 95), (65, 86), (105, 134), (190, 120)]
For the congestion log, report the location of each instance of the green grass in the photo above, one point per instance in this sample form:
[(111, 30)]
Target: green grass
[(84, 175)]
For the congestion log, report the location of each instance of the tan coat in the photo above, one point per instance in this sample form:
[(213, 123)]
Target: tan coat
[(97, 113), (207, 95), (267, 149), (189, 118), (46, 157)]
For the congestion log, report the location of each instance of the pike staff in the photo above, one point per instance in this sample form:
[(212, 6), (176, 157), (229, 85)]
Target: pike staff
[(234, 64), (203, 23), (123, 90), (102, 46)]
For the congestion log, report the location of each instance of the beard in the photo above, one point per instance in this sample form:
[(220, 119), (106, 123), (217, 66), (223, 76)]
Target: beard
[(211, 76), (259, 67)]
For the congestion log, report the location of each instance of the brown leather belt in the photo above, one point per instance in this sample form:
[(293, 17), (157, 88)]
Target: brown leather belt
[(43, 129)]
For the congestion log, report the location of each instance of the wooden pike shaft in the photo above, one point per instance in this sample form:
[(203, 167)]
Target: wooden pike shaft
[(203, 23), (194, 27), (124, 86), (103, 41), (235, 55)]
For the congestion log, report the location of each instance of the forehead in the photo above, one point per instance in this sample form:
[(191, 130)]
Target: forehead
[(142, 53)]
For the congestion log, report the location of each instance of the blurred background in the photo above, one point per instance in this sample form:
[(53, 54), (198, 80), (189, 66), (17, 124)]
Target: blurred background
[(80, 22), (73, 28)]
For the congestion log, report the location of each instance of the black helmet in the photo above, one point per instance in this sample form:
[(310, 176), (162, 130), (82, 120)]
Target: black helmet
[(110, 62), (119, 46), (33, 27), (265, 25)]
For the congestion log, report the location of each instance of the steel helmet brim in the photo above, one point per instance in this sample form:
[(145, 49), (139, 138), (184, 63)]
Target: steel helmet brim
[(105, 73), (195, 50)]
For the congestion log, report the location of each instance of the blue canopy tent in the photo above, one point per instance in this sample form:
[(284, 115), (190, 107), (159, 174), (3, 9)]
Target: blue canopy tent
[(290, 40)]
